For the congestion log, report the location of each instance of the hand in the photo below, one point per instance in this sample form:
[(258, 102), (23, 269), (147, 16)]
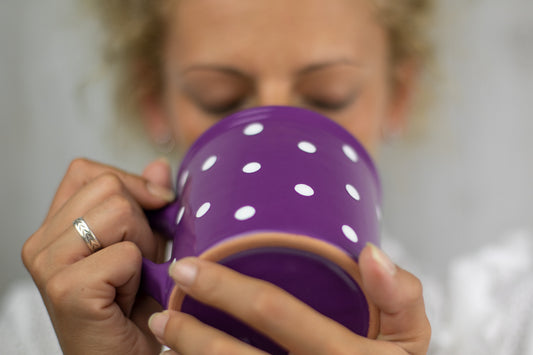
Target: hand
[(404, 327), (91, 298)]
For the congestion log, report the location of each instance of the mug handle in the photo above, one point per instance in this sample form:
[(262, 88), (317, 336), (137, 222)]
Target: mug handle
[(155, 280)]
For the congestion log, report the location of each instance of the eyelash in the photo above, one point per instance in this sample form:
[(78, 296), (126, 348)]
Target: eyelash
[(223, 109), (330, 106)]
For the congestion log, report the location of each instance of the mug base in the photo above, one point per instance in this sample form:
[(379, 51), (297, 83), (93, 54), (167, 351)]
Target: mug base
[(316, 272)]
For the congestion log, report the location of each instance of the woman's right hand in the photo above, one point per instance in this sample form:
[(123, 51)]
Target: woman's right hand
[(92, 298)]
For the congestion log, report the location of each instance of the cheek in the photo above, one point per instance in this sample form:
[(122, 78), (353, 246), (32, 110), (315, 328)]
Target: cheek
[(186, 122), (366, 118)]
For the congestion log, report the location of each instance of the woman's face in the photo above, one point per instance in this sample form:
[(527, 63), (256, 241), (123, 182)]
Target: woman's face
[(224, 56)]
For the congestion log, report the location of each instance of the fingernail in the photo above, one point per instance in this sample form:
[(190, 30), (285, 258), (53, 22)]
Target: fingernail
[(382, 259), (161, 192), (157, 323), (183, 272)]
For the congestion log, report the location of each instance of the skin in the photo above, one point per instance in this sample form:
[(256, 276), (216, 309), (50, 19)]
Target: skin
[(332, 59), (218, 59)]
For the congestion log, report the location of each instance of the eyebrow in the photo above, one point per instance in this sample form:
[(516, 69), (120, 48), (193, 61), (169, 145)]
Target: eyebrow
[(322, 65), (306, 70), (215, 67)]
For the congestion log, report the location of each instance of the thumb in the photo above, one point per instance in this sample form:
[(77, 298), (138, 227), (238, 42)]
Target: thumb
[(159, 172), (398, 295)]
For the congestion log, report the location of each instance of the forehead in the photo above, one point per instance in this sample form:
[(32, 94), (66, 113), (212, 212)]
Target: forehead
[(283, 30)]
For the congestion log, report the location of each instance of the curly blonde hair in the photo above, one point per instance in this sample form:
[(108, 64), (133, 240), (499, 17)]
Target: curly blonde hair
[(135, 32)]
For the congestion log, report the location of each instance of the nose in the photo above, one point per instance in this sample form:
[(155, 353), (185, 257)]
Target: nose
[(275, 93)]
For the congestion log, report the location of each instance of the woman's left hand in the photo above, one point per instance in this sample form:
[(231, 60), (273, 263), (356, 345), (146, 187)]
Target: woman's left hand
[(404, 327)]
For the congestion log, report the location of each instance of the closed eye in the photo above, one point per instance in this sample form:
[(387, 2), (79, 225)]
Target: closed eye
[(222, 108), (330, 105)]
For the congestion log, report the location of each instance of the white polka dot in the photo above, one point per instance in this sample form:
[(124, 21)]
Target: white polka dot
[(307, 147), (244, 213), (350, 233), (184, 178), (304, 190), (350, 153), (353, 192), (251, 168), (203, 210), (209, 162), (253, 129), (180, 214)]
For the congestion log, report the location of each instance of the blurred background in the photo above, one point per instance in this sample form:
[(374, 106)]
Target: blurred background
[(465, 181)]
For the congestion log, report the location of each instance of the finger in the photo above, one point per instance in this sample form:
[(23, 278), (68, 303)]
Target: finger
[(82, 171), (89, 303), (187, 335), (115, 220), (158, 172), (96, 285), (89, 196), (107, 192), (169, 352), (267, 308), (86, 198), (143, 308), (398, 295)]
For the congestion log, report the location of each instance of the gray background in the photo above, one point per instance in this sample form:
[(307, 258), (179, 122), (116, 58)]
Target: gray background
[(465, 181)]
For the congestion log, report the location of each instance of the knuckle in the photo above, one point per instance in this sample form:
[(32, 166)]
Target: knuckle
[(125, 211), (129, 251), (27, 252), (336, 348), (40, 261), (79, 167), (30, 248), (208, 283), (39, 264), (78, 164), (265, 304), (110, 182), (414, 291), (216, 346), (177, 323), (121, 206), (57, 290)]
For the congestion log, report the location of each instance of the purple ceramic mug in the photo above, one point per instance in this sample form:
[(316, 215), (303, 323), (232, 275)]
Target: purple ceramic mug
[(282, 194)]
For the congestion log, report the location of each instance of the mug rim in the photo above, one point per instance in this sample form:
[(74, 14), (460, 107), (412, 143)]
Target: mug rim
[(289, 241)]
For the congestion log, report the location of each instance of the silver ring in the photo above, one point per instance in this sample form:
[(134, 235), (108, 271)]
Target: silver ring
[(87, 235)]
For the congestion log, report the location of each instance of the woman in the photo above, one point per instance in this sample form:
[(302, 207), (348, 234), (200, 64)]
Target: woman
[(186, 64)]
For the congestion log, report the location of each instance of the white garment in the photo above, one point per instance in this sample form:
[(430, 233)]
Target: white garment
[(484, 307), (488, 305), (24, 324)]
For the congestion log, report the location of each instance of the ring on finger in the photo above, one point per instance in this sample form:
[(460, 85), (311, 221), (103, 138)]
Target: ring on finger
[(87, 235)]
